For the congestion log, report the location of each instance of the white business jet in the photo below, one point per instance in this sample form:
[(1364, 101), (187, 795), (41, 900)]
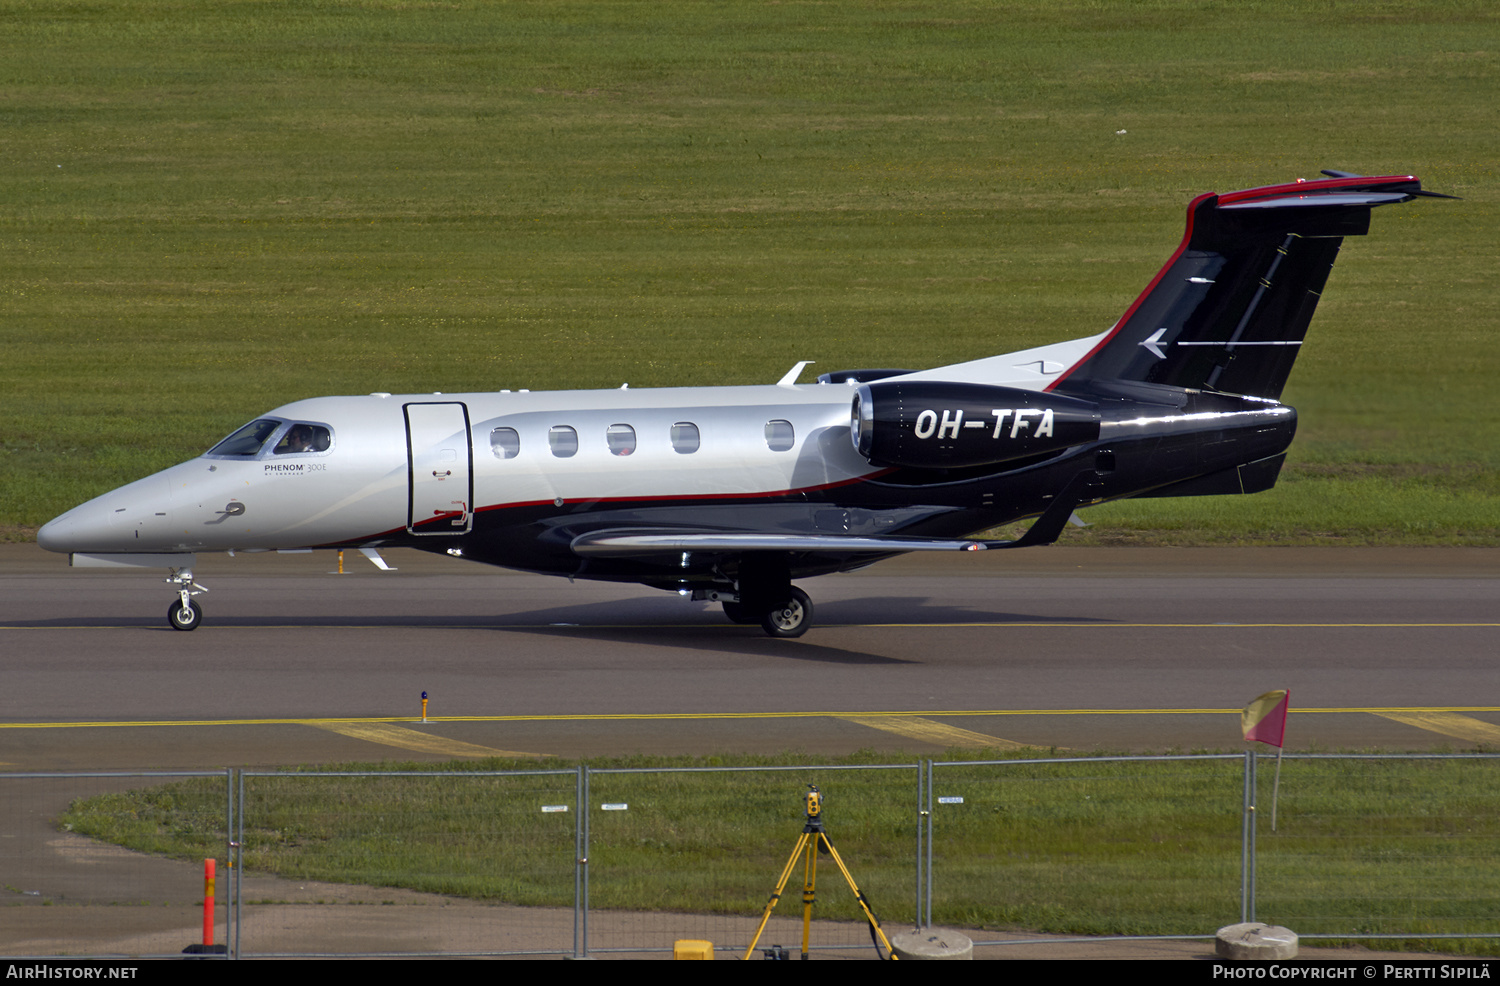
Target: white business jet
[(729, 493)]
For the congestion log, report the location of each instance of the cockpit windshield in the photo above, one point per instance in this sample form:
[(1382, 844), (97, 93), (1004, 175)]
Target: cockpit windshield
[(249, 439), (256, 438)]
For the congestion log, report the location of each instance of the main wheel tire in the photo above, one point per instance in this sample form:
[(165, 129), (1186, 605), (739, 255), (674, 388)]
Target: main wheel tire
[(184, 617), (740, 613), (791, 618)]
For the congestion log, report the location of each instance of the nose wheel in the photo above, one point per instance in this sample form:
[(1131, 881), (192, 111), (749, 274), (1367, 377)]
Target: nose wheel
[(184, 617), (184, 613)]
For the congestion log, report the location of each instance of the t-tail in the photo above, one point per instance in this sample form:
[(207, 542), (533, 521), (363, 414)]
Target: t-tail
[(1229, 311)]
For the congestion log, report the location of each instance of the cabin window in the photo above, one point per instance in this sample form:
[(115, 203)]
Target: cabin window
[(249, 439), (563, 440), (621, 439), (780, 436), (303, 437), (685, 437), (505, 443)]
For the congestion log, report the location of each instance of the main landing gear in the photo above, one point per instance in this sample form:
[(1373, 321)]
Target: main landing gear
[(789, 618), (184, 613), (764, 594)]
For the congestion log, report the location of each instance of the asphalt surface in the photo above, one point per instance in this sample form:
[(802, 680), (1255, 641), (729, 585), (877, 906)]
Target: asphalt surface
[(1097, 649), (1085, 649)]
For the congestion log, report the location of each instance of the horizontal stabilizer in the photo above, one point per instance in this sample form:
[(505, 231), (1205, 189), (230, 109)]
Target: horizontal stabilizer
[(1252, 477)]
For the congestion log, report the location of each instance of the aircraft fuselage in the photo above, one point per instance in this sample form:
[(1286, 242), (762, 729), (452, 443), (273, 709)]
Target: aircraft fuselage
[(513, 478)]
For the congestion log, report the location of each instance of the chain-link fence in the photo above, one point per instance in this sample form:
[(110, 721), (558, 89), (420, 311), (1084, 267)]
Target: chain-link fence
[(67, 886), (472, 862), (1370, 846)]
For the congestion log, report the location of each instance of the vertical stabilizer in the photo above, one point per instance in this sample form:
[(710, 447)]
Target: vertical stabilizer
[(1230, 309)]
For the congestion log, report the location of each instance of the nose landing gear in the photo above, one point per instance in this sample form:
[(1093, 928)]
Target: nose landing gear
[(184, 613), (184, 617)]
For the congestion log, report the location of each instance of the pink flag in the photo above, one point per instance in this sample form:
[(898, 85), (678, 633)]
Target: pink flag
[(1264, 719)]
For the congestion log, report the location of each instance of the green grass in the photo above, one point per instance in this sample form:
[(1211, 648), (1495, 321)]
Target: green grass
[(1381, 846), (211, 208)]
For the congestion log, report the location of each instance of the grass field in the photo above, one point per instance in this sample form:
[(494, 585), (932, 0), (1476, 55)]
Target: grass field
[(211, 208), (1094, 846)]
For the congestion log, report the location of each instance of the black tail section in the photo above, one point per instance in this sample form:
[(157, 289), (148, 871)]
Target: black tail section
[(1230, 309)]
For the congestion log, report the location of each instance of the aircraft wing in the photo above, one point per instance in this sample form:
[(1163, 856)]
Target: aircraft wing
[(635, 541), (624, 542)]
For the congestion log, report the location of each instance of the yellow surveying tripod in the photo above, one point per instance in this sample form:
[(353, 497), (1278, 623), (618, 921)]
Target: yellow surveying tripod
[(812, 841)]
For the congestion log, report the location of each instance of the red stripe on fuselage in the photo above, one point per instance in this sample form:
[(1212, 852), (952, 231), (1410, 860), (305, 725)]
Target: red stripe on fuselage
[(771, 495)]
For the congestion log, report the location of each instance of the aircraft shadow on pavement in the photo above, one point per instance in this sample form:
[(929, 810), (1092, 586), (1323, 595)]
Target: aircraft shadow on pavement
[(631, 618), (665, 623)]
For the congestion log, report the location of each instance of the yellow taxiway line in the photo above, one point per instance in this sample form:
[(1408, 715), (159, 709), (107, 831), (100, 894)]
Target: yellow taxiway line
[(928, 731), (404, 738), (1448, 724)]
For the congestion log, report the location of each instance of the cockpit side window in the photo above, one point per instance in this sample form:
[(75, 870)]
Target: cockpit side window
[(303, 437), (248, 440)]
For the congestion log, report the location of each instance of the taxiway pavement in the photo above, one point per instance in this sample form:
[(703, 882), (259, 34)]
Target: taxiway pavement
[(1114, 649)]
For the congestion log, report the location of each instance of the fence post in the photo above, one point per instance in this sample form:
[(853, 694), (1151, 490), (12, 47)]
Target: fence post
[(1254, 826), (236, 858), (1247, 842), (580, 864), (920, 778), (229, 881), (927, 911), (583, 819)]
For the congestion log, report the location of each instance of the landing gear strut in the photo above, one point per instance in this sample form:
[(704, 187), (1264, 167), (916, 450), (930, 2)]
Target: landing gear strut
[(768, 596), (740, 613), (763, 593), (184, 613)]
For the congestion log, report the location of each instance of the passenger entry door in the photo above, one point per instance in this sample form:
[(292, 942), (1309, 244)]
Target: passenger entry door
[(441, 468)]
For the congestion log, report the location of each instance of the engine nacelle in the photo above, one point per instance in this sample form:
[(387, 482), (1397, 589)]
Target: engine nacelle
[(929, 424)]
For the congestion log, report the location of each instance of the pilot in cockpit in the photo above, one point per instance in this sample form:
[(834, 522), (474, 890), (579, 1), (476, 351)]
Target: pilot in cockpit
[(302, 438)]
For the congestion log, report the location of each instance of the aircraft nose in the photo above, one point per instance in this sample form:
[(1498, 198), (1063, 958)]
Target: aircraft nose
[(84, 528), (57, 534), (126, 519)]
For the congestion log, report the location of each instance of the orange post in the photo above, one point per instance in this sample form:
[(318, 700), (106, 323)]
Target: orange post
[(208, 902)]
